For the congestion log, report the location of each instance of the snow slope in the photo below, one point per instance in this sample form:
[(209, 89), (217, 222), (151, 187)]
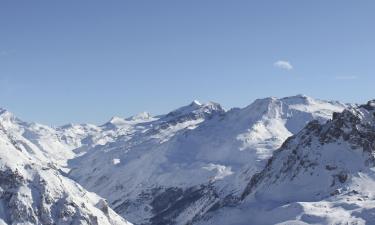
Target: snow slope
[(173, 168), (33, 189), (325, 174)]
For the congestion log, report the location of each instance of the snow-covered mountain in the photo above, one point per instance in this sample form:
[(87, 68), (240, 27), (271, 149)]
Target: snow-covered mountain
[(190, 166), (174, 168), (322, 175), (33, 188)]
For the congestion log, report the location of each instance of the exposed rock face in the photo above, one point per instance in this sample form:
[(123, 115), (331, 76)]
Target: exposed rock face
[(34, 190), (43, 196), (353, 127), (324, 174)]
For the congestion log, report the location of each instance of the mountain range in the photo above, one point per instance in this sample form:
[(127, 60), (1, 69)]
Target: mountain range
[(292, 160)]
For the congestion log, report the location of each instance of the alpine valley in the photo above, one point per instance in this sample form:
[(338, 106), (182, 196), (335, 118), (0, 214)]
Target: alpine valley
[(292, 160)]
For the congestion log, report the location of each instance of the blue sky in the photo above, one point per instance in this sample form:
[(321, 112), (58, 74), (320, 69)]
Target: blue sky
[(85, 61)]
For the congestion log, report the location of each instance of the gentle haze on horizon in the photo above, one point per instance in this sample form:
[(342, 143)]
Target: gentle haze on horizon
[(85, 61)]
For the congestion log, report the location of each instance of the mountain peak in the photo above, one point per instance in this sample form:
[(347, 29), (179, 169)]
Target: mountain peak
[(298, 99), (195, 103), (5, 115), (370, 105), (4, 112), (211, 103), (195, 110), (301, 96), (116, 120), (141, 116)]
